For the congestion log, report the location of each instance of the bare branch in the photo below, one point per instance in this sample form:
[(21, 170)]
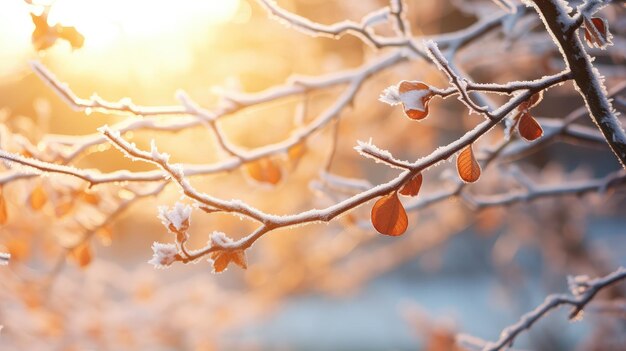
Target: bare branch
[(551, 302)]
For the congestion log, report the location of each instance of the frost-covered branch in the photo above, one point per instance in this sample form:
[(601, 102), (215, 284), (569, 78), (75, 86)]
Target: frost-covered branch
[(361, 30), (584, 290), (460, 83), (587, 79), (271, 222), (534, 191)]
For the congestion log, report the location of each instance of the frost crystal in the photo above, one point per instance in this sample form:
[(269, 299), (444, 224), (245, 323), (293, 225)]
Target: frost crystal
[(220, 239), (163, 157), (164, 254), (177, 219), (369, 150), (577, 284), (390, 96)]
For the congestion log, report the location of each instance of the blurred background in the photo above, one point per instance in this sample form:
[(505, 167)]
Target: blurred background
[(78, 278)]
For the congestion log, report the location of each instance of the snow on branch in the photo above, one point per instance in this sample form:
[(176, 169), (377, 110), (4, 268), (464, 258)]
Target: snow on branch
[(361, 30), (95, 103), (370, 150), (461, 84), (585, 290), (588, 81)]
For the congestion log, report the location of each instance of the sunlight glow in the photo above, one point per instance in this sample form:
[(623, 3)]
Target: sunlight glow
[(102, 22)]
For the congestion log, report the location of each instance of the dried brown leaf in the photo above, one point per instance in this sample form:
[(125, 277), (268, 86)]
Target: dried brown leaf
[(264, 170), (529, 128), (412, 109), (388, 215), (222, 258), (597, 32), (467, 166), (412, 187)]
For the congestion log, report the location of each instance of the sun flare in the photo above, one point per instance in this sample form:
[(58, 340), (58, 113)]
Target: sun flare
[(102, 22), (116, 31)]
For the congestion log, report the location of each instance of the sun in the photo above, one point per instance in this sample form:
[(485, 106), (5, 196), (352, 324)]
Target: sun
[(103, 22)]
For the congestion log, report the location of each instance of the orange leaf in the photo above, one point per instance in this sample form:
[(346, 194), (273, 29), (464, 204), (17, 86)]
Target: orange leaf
[(535, 99), (596, 32), (222, 258), (388, 215), (415, 97), (265, 171), (467, 166), (82, 254), (3, 209), (532, 101), (37, 198), (529, 128), (412, 187)]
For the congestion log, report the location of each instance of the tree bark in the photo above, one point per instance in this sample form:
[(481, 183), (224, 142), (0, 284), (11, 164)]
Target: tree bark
[(586, 78)]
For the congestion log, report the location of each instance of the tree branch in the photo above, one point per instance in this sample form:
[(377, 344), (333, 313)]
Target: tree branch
[(586, 77)]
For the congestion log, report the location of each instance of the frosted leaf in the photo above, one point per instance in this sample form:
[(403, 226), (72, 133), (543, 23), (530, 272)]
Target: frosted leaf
[(414, 99), (164, 255), (177, 219)]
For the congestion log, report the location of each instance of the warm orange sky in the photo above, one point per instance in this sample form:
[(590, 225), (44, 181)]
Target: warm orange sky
[(112, 25)]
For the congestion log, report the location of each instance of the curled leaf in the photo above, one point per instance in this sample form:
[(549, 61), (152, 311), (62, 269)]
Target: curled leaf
[(264, 170), (412, 187), (224, 255), (467, 166), (388, 215), (532, 101), (529, 128), (414, 97), (597, 32), (222, 258), (37, 198)]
